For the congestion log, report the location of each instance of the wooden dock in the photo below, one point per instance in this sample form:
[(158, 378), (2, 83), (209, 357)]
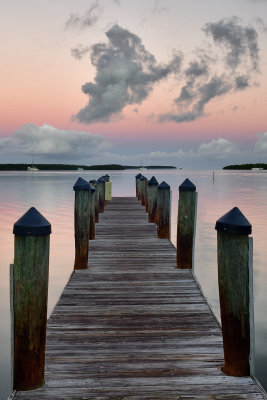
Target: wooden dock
[(133, 326)]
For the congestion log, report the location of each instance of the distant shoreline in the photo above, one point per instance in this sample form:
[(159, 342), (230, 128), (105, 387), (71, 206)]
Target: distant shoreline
[(258, 166), (74, 167)]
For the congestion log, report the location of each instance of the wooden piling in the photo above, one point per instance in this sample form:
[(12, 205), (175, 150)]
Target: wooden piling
[(92, 212), (146, 195), (235, 290), (108, 191), (137, 184), (29, 289), (94, 183), (152, 199), (163, 210), (101, 182), (81, 223), (142, 189), (186, 223), (107, 178)]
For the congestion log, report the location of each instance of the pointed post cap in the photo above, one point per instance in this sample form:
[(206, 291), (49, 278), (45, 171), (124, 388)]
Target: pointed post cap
[(187, 186), (91, 187), (143, 178), (153, 181), (138, 176), (107, 176), (32, 223), (234, 222), (93, 181), (81, 184), (164, 186), (101, 180)]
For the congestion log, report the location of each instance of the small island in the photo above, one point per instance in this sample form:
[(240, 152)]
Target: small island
[(258, 166), (74, 167)]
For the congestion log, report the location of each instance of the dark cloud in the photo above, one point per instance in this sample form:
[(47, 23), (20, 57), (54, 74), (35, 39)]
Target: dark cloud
[(215, 87), (242, 82), (87, 20), (240, 42), (203, 80), (125, 74)]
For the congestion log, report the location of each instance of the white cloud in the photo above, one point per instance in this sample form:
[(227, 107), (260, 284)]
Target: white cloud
[(48, 142), (261, 144), (125, 74), (219, 149)]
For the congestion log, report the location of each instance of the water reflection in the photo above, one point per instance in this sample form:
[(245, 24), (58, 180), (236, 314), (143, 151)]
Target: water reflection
[(51, 193)]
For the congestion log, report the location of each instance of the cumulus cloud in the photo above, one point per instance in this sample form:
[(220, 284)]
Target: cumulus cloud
[(218, 149), (203, 76), (89, 18), (125, 74), (261, 144), (48, 142)]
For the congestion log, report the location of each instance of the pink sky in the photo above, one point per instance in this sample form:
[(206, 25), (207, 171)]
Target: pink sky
[(41, 82)]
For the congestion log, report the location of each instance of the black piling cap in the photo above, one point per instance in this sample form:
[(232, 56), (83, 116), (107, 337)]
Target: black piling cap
[(101, 180), (138, 176), (93, 181), (187, 186), (81, 184), (234, 222), (143, 178), (107, 176), (153, 181), (91, 187), (32, 223), (164, 186)]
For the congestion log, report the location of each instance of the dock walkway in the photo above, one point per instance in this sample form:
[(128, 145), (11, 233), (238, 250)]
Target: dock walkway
[(133, 326)]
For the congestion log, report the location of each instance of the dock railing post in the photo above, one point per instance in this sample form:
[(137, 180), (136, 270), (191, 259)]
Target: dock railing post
[(137, 183), (152, 199), (92, 212), (235, 276), (163, 210), (29, 291), (101, 182), (142, 189), (107, 178), (146, 195), (81, 223), (186, 225), (107, 187), (94, 183)]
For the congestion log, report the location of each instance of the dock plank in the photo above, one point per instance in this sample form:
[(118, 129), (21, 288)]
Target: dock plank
[(132, 326)]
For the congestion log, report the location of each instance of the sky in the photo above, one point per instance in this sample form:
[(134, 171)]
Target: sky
[(162, 82)]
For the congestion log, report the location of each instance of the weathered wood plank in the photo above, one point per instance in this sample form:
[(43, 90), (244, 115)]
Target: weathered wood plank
[(134, 327)]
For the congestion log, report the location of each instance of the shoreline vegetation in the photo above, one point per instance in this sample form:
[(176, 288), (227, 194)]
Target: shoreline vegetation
[(74, 167), (247, 166)]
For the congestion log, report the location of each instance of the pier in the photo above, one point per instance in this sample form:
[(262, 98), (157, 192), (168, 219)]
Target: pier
[(133, 326)]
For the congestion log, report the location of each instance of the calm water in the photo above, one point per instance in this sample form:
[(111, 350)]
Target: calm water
[(51, 193)]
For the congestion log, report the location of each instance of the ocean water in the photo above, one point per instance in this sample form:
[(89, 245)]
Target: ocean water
[(52, 194)]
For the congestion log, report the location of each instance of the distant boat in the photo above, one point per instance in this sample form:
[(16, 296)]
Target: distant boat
[(141, 168), (32, 168), (256, 169), (80, 169)]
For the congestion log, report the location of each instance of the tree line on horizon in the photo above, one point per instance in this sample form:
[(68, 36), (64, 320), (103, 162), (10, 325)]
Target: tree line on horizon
[(74, 167)]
